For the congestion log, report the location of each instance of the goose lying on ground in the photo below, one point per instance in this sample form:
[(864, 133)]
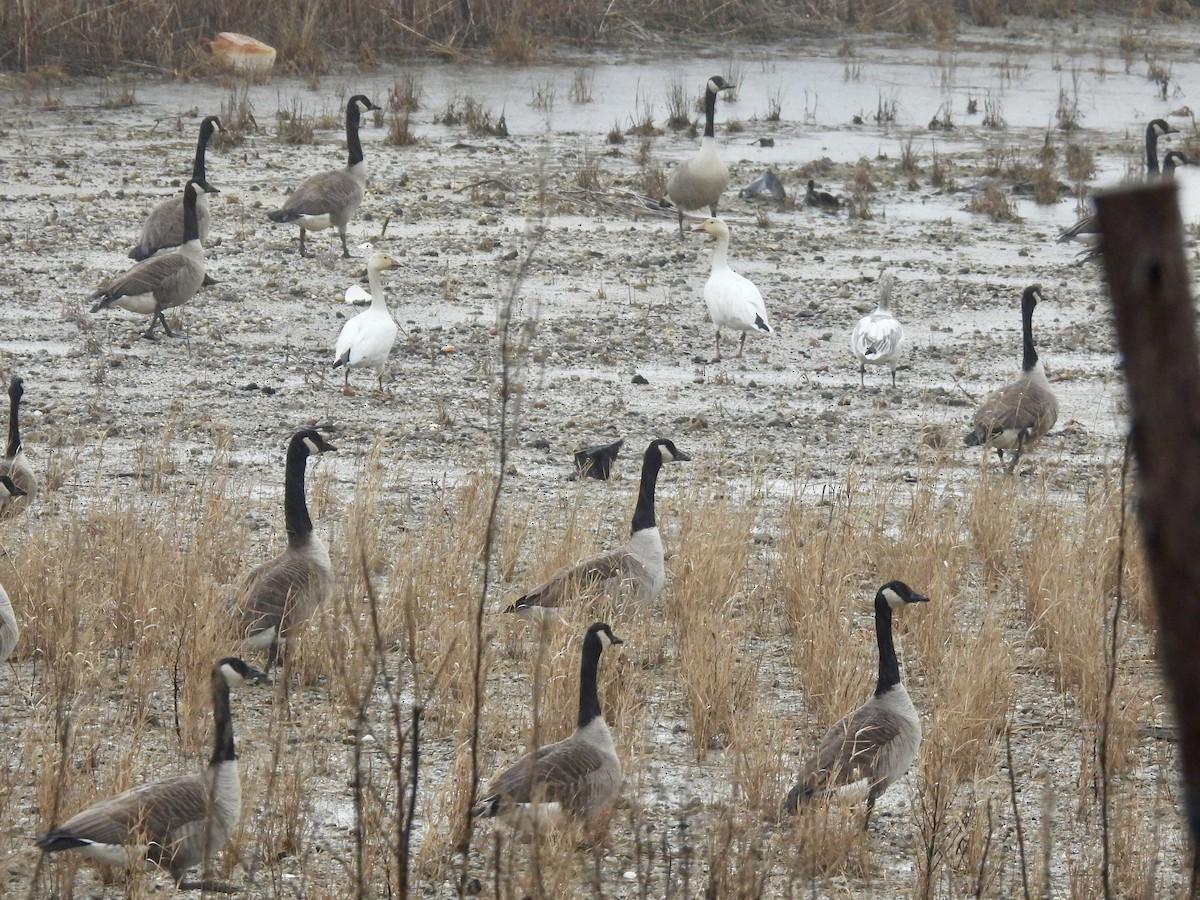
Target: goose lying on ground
[(575, 778), (875, 744), (1023, 410), (638, 566), (700, 180), (330, 198), (366, 339), (161, 282), (877, 339), (177, 823), (821, 200), (163, 228), (733, 300)]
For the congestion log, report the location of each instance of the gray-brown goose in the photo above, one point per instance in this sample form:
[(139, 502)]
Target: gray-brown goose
[(700, 180), (276, 598), (177, 823), (574, 778), (15, 465), (9, 632), (1023, 410), (637, 566), (161, 282), (875, 744), (163, 228), (331, 198)]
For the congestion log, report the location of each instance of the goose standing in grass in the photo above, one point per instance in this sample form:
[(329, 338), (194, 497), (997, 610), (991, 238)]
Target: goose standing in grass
[(163, 228), (1023, 410), (366, 339), (875, 744), (177, 823), (161, 282), (330, 199), (1087, 229), (733, 300), (276, 598), (639, 565), (15, 465), (575, 778), (821, 200), (878, 338), (700, 181)]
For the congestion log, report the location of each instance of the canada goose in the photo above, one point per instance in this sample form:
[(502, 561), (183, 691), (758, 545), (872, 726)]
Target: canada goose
[(574, 778), (596, 462), (274, 599), (768, 182), (733, 300), (1023, 410), (877, 742), (700, 181), (1087, 228), (1172, 161), (330, 198), (161, 282), (9, 632), (164, 226), (366, 339), (15, 465), (638, 565), (176, 823), (821, 200), (878, 338)]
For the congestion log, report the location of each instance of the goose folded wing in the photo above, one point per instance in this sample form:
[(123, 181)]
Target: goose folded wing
[(271, 590), (571, 581), (155, 274), (852, 750), (323, 194), (556, 773), (150, 813)]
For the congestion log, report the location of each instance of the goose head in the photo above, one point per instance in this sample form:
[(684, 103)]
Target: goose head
[(1160, 127), (716, 84), (600, 631), (380, 261), (208, 127), (360, 103), (668, 451), (1173, 160), (1032, 297), (236, 671), (16, 388), (714, 226), (312, 441), (896, 593)]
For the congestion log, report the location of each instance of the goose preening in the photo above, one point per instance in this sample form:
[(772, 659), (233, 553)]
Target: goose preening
[(164, 226), (23, 484), (700, 181), (161, 282), (1023, 410), (822, 200), (276, 598), (1087, 228), (575, 778), (596, 462), (878, 338), (875, 744), (9, 632), (329, 199), (639, 565), (733, 300), (177, 823), (366, 339)]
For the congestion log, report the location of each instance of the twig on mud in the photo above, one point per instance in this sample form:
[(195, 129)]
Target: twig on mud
[(965, 392), (482, 181)]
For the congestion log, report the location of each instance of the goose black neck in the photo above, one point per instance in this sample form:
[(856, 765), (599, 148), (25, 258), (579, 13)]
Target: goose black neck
[(1029, 357), (589, 699), (353, 145), (643, 513), (295, 510), (889, 666), (14, 429), (710, 111), (198, 171), (191, 228), (223, 750), (1152, 150)]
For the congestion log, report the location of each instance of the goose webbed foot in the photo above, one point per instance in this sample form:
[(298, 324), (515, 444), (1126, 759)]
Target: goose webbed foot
[(345, 250), (303, 252)]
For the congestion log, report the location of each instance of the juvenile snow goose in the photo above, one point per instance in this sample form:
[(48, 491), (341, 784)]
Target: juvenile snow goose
[(878, 338), (177, 823), (875, 744), (733, 300), (575, 778), (331, 198), (276, 598), (15, 465), (164, 226), (700, 181), (366, 339), (638, 566), (161, 282), (1023, 410)]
